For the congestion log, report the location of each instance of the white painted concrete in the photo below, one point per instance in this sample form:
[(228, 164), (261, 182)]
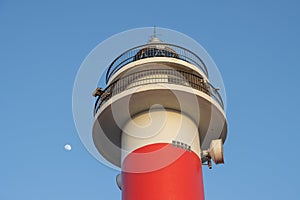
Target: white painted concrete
[(156, 63), (159, 126)]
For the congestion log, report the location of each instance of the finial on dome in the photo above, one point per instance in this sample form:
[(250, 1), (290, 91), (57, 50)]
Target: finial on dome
[(153, 38)]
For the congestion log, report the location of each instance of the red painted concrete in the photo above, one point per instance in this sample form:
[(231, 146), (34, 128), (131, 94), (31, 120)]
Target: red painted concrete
[(179, 180)]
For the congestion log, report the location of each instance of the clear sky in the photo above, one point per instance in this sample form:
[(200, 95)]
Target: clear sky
[(42, 44)]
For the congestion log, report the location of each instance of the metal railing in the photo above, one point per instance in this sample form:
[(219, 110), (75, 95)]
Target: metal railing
[(154, 76), (155, 50)]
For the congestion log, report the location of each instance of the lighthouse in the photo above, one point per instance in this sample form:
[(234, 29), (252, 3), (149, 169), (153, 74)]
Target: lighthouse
[(159, 119)]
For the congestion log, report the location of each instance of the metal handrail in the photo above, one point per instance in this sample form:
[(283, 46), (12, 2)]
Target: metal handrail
[(154, 76), (167, 50)]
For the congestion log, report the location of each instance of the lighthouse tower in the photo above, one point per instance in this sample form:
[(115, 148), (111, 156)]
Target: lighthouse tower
[(159, 120)]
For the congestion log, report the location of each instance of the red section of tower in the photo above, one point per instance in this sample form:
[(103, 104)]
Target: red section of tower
[(181, 179)]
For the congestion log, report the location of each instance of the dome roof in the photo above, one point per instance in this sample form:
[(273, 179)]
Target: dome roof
[(155, 48)]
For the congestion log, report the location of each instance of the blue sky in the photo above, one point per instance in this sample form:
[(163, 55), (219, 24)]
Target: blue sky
[(255, 44)]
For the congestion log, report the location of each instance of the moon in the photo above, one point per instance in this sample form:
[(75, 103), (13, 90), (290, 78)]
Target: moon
[(68, 147)]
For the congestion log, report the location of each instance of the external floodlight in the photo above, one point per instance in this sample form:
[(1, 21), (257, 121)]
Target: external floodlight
[(98, 92), (119, 181), (216, 151)]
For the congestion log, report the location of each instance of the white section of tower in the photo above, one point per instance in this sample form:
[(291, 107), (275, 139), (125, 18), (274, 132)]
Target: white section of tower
[(160, 126)]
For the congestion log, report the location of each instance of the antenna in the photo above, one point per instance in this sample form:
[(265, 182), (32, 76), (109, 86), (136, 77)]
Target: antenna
[(154, 31), (153, 38)]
